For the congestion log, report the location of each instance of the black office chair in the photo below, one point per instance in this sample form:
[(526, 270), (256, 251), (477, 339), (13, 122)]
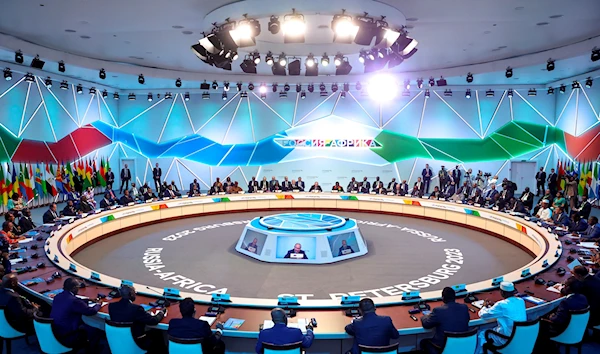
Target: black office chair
[(293, 348), (386, 349), (521, 340), (185, 346)]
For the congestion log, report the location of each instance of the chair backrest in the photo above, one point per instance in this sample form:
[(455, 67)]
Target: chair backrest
[(292, 348), (185, 346), (522, 339), (46, 338), (576, 328), (6, 330), (460, 342), (120, 339), (387, 349)]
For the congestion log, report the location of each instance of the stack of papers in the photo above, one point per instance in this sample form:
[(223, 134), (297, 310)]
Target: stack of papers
[(26, 240), (208, 319), (591, 245), (534, 300), (15, 261), (301, 324), (478, 303), (555, 288)]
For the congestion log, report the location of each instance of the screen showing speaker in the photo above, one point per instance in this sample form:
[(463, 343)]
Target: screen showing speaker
[(254, 242), (296, 247), (343, 244)]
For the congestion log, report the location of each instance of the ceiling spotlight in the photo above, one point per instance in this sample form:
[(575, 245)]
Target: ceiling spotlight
[(339, 58), (311, 88), (371, 55), (248, 66), (509, 93), (310, 60), (420, 82), (102, 74), (215, 85), (244, 94), (346, 87), (286, 87), (168, 96), (224, 96), (298, 87), (29, 77), (562, 88), (589, 82), (205, 95), (274, 87), (262, 88), (343, 94), (7, 74), (141, 79), (489, 93), (293, 28), (380, 53), (325, 60), (19, 57), (595, 54), (322, 87), (234, 55), (104, 94), (269, 58), (468, 93), (382, 88), (274, 25), (226, 86), (334, 87), (550, 65), (362, 56), (358, 86), (178, 82), (344, 30), (37, 63), (263, 96), (431, 81), (116, 96), (150, 97), (427, 93), (550, 90), (251, 86), (469, 77), (448, 93), (509, 72), (48, 82), (532, 92), (131, 97), (282, 59), (239, 86), (302, 95), (93, 91), (407, 84), (255, 57), (205, 86), (79, 89), (575, 85), (283, 94), (61, 66), (186, 96), (64, 85)]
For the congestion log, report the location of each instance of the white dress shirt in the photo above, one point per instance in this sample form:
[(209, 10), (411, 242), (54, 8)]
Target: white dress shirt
[(544, 213), (506, 312)]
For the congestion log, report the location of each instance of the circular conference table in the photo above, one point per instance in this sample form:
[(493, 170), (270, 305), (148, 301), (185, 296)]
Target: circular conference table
[(66, 238)]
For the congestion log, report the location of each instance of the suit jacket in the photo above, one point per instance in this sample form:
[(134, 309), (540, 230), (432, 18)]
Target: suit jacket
[(26, 224), (372, 330), (272, 184), (353, 186), (450, 317), (299, 186), (450, 190), (592, 232), (167, 194), (49, 216), (591, 290), (156, 173), (252, 186), (313, 188), (403, 188), (424, 173), (287, 255), (561, 317), (420, 186), (366, 184), (125, 200), (286, 185), (280, 334), (456, 175), (540, 177), (69, 211), (105, 203), (126, 311), (125, 174), (585, 210), (110, 177), (192, 185), (67, 310), (148, 196), (85, 207), (392, 186), (552, 178), (527, 200), (561, 219), (491, 194), (19, 311), (264, 185), (190, 328)]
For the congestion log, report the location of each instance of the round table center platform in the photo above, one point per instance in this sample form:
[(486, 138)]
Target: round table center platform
[(309, 238)]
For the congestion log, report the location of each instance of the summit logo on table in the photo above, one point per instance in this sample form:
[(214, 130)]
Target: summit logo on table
[(328, 143)]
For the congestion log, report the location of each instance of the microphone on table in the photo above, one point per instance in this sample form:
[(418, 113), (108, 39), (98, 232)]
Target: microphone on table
[(164, 302)]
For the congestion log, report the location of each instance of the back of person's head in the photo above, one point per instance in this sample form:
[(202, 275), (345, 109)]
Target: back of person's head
[(448, 295), (15, 197), (572, 286), (580, 271), (2, 271), (507, 289), (278, 316), (9, 281), (127, 292), (9, 216), (71, 284), (187, 307), (366, 306), (594, 220), (6, 226), (26, 212)]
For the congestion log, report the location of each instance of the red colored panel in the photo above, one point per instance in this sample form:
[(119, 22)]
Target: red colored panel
[(287, 196), (585, 147), (32, 151), (89, 139), (64, 150)]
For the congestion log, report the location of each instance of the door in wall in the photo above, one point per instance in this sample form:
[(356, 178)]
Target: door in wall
[(523, 174)]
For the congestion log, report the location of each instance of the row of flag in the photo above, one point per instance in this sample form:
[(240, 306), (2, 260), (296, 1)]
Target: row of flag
[(31, 182), (588, 174)]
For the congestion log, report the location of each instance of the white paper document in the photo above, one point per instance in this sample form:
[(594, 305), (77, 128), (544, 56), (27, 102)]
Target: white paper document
[(208, 319)]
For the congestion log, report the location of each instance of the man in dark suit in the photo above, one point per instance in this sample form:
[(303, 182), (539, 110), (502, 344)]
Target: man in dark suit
[(169, 193), (297, 252), (403, 188), (560, 218), (77, 182), (591, 290), (106, 202), (156, 174), (450, 317), (25, 222), (286, 185), (419, 186), (527, 199), (84, 205), (126, 198), (253, 185), (450, 190), (17, 309), (67, 310), (540, 180), (427, 174), (125, 178), (593, 230), (392, 185), (345, 249), (490, 195), (110, 178), (69, 209), (148, 194), (584, 209), (456, 174), (50, 216), (365, 185), (300, 184), (194, 185), (552, 182), (273, 183), (353, 186), (188, 327), (315, 188), (125, 310), (281, 334), (371, 329)]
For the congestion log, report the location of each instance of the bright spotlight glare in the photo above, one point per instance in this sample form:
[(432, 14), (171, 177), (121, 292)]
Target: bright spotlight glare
[(242, 31), (382, 88), (263, 89), (344, 27), (294, 27)]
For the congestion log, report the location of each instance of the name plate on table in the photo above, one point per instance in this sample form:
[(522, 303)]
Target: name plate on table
[(95, 276), (287, 300), (348, 300), (166, 198), (261, 191), (172, 292), (72, 267), (149, 201), (409, 295), (277, 191), (296, 255), (525, 272), (346, 251), (221, 193), (459, 288), (334, 191), (477, 205), (126, 282), (295, 190), (373, 193), (130, 204), (251, 249), (221, 298), (496, 281), (390, 193), (545, 263), (354, 192)]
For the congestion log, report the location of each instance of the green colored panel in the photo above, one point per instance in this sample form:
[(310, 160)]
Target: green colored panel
[(514, 131), (537, 130), (556, 136), (437, 155), (398, 147), (515, 148), (469, 150), (10, 142)]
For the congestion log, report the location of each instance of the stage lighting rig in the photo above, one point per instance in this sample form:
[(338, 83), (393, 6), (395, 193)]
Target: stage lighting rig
[(562, 88), (293, 28), (274, 87), (7, 74), (168, 96), (64, 85), (224, 96), (286, 87), (362, 56), (92, 91), (334, 87), (37, 63), (509, 72), (589, 82), (245, 32), (420, 83), (226, 86), (358, 86), (269, 58), (29, 77), (448, 93), (405, 45), (532, 92), (239, 86), (325, 60), (509, 93), (575, 85), (102, 74), (431, 81), (282, 59), (310, 60), (178, 82), (116, 96), (104, 94), (186, 96), (150, 97), (283, 94), (344, 68), (469, 78), (255, 56), (468, 93), (205, 95), (298, 87), (61, 66), (406, 93), (141, 79), (79, 89), (293, 67), (274, 25), (407, 84), (395, 59), (441, 81), (244, 94), (48, 82), (550, 91), (489, 93), (595, 54), (302, 95), (251, 86), (369, 28), (346, 87), (344, 30), (263, 96), (427, 93), (131, 97), (311, 88), (550, 65), (262, 88), (248, 66), (19, 57), (215, 85), (338, 59)]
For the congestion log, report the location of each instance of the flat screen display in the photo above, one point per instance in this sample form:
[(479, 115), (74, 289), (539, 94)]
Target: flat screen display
[(343, 244), (296, 247), (254, 242)]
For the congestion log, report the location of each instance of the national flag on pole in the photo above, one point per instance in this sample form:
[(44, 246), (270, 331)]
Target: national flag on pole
[(3, 187), (80, 169), (101, 179), (50, 181), (15, 181), (87, 182), (59, 180), (95, 181), (22, 185), (561, 175), (88, 172), (30, 181), (71, 179), (39, 186), (582, 178)]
